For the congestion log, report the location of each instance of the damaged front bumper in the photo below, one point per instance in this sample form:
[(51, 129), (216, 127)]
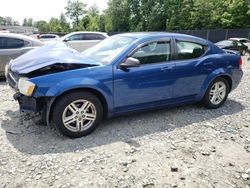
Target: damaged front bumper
[(31, 104), (27, 104)]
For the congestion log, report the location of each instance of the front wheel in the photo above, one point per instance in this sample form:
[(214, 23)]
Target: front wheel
[(77, 114), (216, 94)]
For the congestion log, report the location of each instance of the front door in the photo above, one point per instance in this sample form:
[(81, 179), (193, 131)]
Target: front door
[(151, 82)]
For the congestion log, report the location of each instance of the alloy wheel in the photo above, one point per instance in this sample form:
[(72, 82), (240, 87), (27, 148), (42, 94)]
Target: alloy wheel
[(79, 115), (217, 93)]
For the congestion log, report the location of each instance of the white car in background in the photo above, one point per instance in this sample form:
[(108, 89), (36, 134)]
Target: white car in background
[(244, 41), (83, 40)]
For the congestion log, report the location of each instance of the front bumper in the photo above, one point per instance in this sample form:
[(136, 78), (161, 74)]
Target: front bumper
[(28, 103)]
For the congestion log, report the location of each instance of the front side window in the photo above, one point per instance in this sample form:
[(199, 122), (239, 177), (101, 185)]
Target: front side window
[(76, 37), (156, 52), (189, 50)]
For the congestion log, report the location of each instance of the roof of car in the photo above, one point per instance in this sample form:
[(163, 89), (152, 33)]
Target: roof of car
[(141, 35), (84, 32), (48, 35)]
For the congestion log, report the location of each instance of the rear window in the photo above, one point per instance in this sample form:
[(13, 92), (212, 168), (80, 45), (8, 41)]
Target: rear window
[(225, 43), (47, 37)]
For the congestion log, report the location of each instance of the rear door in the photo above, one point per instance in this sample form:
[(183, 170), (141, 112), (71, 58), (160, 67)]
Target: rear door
[(192, 68)]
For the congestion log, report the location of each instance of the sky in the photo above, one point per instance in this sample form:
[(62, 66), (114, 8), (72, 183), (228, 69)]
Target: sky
[(40, 10)]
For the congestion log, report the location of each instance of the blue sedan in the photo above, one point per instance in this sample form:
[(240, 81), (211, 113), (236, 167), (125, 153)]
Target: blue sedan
[(122, 74)]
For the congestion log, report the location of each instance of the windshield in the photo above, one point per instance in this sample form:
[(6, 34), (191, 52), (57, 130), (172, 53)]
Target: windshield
[(225, 43), (107, 50)]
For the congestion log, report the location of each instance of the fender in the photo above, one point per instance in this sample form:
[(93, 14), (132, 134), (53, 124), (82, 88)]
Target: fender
[(210, 78), (77, 83)]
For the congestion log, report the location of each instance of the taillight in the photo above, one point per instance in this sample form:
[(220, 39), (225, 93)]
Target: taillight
[(240, 63)]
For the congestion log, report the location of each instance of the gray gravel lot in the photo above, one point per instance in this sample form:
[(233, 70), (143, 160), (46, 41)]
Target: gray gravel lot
[(186, 146)]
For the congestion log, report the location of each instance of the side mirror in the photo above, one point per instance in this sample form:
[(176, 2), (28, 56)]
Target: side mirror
[(130, 62)]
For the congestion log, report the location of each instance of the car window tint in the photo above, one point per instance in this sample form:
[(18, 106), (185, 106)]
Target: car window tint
[(48, 37), (76, 37), (1, 43), (155, 52), (10, 43), (93, 36), (99, 37), (189, 50)]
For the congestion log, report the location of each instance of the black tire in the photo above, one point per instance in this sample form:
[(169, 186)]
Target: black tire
[(63, 102), (206, 100)]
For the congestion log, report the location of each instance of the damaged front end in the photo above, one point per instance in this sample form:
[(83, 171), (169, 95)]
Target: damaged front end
[(56, 68), (43, 61)]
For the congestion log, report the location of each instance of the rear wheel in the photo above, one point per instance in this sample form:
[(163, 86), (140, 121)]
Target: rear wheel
[(77, 114), (216, 94)]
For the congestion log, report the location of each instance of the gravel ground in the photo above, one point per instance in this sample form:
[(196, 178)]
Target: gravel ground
[(179, 147)]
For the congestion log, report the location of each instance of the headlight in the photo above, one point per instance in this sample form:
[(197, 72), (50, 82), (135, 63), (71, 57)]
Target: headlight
[(26, 87)]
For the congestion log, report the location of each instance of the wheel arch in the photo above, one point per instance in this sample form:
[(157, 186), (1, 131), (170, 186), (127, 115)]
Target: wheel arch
[(211, 79), (52, 102)]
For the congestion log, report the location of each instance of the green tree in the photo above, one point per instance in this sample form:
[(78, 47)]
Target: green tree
[(42, 26), (65, 26), (101, 23), (118, 15), (75, 10)]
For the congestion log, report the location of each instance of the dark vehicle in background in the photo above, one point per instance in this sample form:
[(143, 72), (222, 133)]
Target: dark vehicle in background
[(233, 45), (245, 41), (14, 45)]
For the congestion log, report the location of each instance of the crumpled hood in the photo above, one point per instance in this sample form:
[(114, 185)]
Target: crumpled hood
[(48, 55)]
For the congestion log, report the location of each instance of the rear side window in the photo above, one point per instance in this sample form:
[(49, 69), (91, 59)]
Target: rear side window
[(156, 52), (11, 43), (92, 36), (189, 50)]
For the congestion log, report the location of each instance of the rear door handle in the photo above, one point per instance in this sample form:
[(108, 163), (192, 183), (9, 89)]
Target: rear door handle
[(167, 68)]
